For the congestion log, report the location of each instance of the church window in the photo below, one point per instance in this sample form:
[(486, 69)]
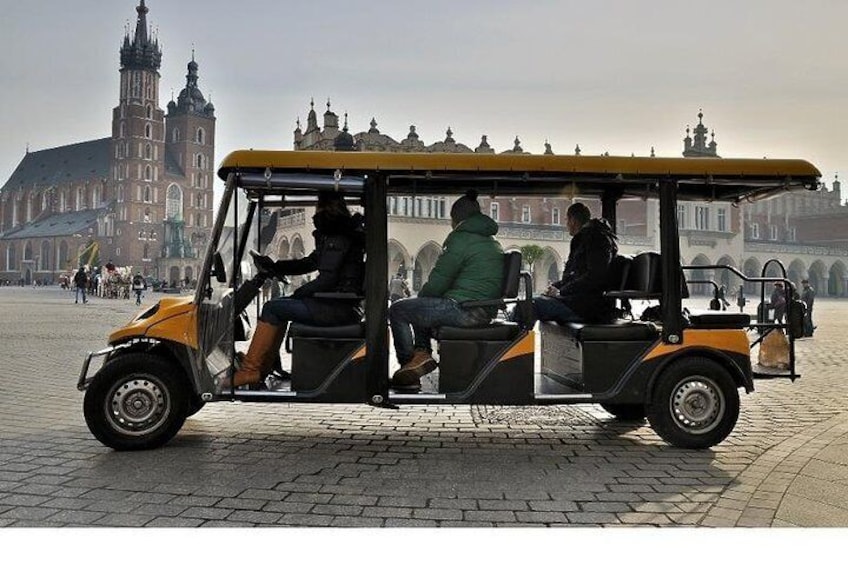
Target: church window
[(200, 161), (197, 220), (175, 135), (201, 136), (174, 203), (148, 173), (148, 151), (149, 112), (148, 131), (147, 217), (147, 194), (122, 130)]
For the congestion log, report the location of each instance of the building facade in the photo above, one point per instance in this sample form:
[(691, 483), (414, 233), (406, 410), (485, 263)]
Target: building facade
[(141, 197), (807, 232)]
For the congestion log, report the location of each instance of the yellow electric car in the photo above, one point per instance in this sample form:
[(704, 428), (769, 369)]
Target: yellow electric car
[(681, 369)]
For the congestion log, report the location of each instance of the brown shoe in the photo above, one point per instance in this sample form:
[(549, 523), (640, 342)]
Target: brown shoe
[(409, 376)]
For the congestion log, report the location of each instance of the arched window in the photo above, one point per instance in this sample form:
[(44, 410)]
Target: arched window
[(148, 131), (174, 203), (197, 220), (44, 259), (147, 218), (148, 151), (44, 201), (200, 161), (120, 194), (149, 111), (147, 194), (148, 175), (122, 130), (11, 258), (201, 136), (175, 135)]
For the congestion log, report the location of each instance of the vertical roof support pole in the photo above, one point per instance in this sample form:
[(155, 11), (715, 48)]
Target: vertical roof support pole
[(376, 289), (672, 302), (609, 203)]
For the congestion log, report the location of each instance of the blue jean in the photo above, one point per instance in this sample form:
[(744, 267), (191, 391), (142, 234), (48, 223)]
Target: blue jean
[(413, 320), (281, 311), (80, 289), (550, 309)]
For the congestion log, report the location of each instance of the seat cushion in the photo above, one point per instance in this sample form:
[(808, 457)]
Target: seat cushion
[(622, 331), (496, 331), (351, 331), (719, 320)]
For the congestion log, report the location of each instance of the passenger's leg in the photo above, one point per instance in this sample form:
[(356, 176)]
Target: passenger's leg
[(268, 337), (548, 308)]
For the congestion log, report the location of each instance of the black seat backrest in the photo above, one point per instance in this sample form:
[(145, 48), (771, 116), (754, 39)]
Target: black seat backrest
[(618, 271), (511, 274), (644, 275)]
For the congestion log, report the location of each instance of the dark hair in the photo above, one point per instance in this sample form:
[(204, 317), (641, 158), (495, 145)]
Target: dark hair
[(579, 212), (332, 203)]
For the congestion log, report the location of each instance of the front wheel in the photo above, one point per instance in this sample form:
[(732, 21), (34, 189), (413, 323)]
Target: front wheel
[(136, 401), (695, 404)]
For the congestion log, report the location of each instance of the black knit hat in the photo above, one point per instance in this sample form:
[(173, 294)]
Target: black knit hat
[(465, 207)]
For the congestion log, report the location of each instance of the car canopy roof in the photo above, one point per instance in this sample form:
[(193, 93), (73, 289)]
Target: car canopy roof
[(709, 179)]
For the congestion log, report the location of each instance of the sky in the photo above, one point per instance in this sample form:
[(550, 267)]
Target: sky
[(615, 76)]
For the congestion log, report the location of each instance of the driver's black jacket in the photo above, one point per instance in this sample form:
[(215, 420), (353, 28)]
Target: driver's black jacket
[(339, 258)]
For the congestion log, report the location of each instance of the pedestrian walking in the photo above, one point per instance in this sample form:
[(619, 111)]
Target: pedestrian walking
[(139, 285), (808, 296), (81, 283)]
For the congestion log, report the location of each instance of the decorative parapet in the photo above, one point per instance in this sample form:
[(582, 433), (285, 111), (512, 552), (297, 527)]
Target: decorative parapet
[(789, 248)]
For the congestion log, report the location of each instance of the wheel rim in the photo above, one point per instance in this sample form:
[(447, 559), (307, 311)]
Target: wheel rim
[(137, 405), (697, 404)]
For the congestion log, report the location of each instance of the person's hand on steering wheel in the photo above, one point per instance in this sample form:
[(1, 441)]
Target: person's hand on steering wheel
[(263, 263)]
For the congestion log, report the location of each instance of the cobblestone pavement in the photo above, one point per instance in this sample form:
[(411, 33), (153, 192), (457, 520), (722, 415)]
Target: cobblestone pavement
[(336, 465)]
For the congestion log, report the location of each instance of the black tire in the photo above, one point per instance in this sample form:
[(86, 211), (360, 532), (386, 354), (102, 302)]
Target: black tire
[(136, 401), (625, 412), (694, 404)]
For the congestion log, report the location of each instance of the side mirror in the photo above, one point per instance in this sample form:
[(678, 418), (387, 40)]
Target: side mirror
[(218, 270)]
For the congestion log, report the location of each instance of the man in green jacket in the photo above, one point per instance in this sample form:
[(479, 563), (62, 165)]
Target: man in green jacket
[(469, 268)]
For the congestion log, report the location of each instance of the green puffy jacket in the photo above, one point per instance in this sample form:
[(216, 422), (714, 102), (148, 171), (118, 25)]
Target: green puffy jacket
[(471, 264)]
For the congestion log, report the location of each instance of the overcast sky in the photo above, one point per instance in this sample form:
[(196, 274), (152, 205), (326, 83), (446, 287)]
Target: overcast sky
[(612, 75)]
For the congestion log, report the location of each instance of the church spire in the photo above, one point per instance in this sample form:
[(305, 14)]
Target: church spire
[(142, 52)]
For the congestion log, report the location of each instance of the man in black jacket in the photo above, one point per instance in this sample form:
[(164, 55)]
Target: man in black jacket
[(578, 297)]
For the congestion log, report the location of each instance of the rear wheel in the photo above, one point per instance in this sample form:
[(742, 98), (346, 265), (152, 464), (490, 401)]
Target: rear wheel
[(695, 404), (136, 401), (626, 412)]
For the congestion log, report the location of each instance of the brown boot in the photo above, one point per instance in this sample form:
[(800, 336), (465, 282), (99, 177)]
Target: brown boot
[(409, 376), (260, 355)]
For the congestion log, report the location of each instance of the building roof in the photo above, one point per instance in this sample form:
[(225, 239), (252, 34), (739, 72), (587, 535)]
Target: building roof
[(56, 225), (62, 165)]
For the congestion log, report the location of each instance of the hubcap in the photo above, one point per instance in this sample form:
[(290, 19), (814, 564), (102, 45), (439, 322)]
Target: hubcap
[(138, 405), (697, 405)]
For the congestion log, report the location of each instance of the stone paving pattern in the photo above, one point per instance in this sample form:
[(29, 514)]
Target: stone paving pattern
[(246, 465)]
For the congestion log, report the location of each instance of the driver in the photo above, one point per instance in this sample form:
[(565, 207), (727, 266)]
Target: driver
[(339, 258)]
